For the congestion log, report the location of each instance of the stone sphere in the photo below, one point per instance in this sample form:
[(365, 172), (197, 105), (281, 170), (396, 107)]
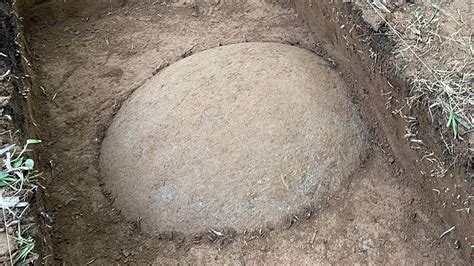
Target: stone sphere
[(239, 136)]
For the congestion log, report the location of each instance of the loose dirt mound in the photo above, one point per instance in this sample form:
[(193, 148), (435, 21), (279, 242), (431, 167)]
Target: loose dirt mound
[(237, 137)]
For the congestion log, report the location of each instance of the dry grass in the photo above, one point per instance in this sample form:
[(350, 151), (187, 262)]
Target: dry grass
[(448, 87), (435, 51)]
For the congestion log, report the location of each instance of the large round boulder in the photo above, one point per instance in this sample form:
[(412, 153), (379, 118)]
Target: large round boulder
[(238, 136)]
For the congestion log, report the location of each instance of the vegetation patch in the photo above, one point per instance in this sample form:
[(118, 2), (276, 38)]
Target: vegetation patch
[(17, 189), (435, 51)]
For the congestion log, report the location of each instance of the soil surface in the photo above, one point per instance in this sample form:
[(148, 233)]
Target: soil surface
[(263, 122), (89, 64)]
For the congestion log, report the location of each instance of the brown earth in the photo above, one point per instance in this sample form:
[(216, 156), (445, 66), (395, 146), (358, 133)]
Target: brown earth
[(88, 63)]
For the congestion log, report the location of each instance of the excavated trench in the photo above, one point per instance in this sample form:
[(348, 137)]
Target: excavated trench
[(224, 132)]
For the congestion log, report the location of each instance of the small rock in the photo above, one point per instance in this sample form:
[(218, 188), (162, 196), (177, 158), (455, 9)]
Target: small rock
[(4, 250), (391, 160), (365, 245), (4, 101), (126, 253), (270, 225), (457, 244)]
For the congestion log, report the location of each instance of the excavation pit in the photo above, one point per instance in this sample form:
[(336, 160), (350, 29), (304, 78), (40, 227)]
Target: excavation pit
[(239, 136)]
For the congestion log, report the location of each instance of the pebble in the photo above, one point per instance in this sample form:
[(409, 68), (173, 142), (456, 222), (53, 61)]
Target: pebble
[(4, 244), (126, 253)]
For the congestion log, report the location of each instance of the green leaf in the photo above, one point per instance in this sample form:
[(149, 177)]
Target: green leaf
[(25, 252), (455, 128), (3, 175), (27, 245), (29, 163), (4, 150), (18, 163), (33, 141), (450, 119), (33, 178), (463, 123), (28, 142), (6, 181)]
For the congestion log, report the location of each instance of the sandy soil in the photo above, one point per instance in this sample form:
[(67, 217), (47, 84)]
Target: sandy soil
[(89, 64)]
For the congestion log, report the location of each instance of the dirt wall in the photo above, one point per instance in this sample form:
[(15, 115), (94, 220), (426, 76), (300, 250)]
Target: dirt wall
[(71, 7), (23, 91), (364, 56)]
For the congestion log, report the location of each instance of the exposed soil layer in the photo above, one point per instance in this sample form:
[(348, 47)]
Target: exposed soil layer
[(263, 122), (366, 59), (88, 64), (17, 191)]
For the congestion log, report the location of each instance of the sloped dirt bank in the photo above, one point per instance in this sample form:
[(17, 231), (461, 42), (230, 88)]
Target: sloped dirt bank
[(20, 194), (88, 61), (365, 56)]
